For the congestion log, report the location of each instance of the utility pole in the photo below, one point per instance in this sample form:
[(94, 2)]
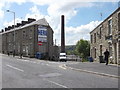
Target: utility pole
[(101, 16), (14, 32)]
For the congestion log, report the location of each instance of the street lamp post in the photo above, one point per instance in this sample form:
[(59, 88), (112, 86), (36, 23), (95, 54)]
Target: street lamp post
[(14, 30)]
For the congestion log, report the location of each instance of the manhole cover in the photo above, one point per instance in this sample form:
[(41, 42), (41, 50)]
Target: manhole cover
[(49, 75)]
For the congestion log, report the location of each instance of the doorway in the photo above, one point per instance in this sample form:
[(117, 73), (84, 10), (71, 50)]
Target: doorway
[(115, 53), (100, 50)]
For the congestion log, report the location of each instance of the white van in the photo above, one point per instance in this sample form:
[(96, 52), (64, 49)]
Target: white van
[(63, 57)]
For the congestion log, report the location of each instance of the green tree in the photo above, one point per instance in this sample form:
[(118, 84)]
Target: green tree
[(70, 49), (83, 48)]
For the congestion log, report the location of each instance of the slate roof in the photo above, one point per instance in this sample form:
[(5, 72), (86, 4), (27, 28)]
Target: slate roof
[(38, 22)]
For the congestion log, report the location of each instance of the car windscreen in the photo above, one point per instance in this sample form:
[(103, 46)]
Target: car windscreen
[(62, 55)]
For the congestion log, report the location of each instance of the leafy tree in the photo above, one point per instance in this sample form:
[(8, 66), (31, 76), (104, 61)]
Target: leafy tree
[(82, 48), (70, 49)]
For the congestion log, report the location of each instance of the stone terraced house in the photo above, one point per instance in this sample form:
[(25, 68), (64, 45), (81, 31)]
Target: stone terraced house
[(31, 37), (107, 36)]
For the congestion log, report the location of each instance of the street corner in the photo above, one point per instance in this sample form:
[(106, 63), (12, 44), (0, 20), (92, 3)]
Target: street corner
[(90, 71)]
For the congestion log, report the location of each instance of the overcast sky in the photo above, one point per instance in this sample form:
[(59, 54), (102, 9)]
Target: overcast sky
[(80, 17)]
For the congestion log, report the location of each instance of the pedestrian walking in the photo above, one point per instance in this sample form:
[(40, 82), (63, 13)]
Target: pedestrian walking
[(14, 53), (21, 55), (8, 53), (106, 53)]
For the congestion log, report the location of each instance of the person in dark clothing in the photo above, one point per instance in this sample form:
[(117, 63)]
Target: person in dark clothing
[(14, 53), (106, 53), (8, 53), (21, 55)]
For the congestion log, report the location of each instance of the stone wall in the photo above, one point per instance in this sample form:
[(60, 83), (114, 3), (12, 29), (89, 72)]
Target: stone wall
[(105, 40), (26, 41)]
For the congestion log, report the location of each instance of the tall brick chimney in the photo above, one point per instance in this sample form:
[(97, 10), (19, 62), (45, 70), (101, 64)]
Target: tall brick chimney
[(62, 35)]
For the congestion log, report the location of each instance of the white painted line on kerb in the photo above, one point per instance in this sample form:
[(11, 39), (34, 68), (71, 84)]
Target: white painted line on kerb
[(56, 83), (62, 66), (97, 73), (15, 68)]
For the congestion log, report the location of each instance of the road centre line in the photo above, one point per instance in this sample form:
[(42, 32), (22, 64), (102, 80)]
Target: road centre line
[(15, 68), (56, 83)]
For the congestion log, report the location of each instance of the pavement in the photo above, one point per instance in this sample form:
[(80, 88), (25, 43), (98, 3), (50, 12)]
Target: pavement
[(111, 70), (23, 58)]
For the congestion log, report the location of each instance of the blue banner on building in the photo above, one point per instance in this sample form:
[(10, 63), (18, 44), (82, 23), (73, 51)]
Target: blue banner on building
[(42, 34)]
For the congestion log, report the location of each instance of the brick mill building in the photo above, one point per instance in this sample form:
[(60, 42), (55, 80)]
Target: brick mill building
[(107, 36), (30, 37)]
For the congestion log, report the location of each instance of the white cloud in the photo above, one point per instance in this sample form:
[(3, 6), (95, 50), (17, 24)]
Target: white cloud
[(64, 4), (55, 10), (1, 11), (49, 2), (34, 13), (17, 20), (34, 9), (73, 34), (15, 1)]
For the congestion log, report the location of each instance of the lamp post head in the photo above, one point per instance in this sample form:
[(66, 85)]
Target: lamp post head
[(8, 10)]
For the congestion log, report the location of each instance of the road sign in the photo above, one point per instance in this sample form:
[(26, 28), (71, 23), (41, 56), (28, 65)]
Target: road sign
[(39, 43)]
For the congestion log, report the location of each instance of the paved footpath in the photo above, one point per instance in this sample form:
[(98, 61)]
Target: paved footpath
[(97, 68)]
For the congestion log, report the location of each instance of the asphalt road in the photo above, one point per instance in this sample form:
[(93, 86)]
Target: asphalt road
[(21, 73)]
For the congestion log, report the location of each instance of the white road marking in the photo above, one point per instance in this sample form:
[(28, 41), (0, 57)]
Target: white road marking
[(62, 66), (25, 60), (49, 65), (42, 64), (29, 61), (15, 68), (50, 75), (73, 62), (34, 62), (52, 62), (56, 83)]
